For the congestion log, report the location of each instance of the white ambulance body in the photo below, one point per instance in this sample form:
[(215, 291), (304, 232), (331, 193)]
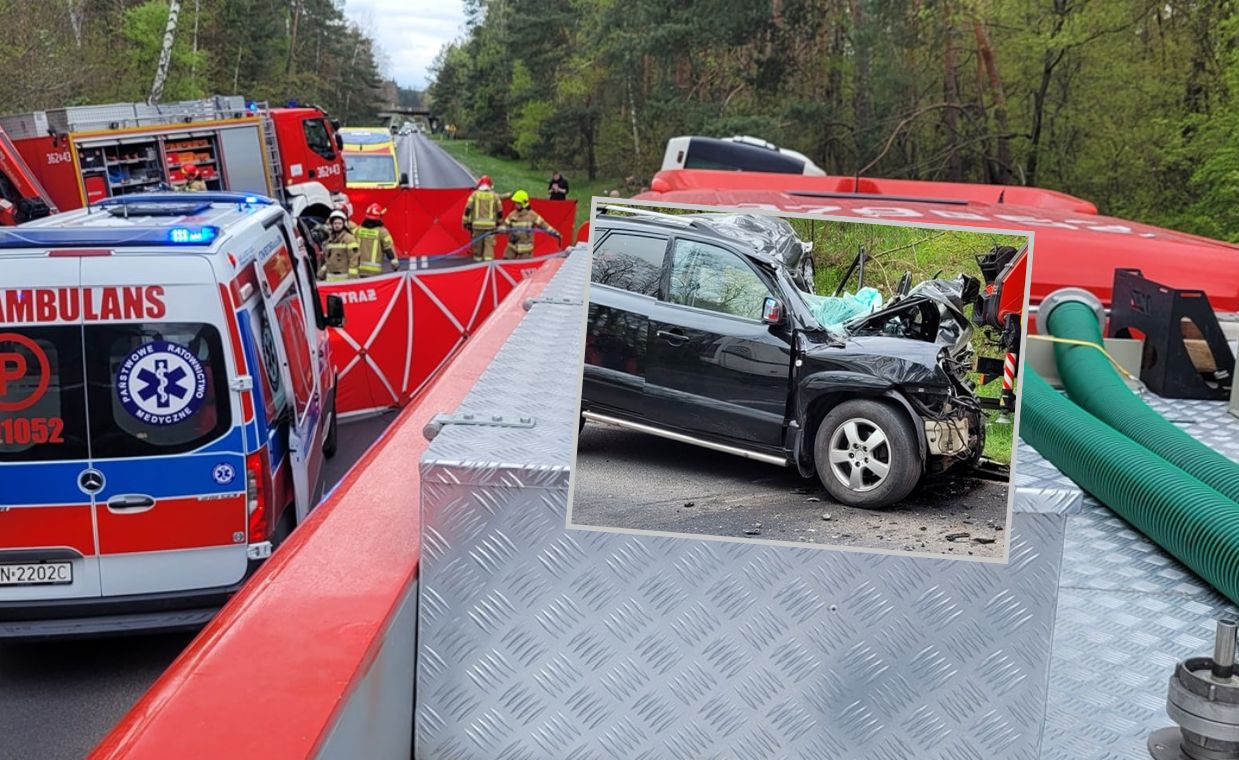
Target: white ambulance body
[(166, 402)]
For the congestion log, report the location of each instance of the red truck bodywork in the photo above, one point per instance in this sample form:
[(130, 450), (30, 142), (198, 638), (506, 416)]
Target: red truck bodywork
[(1072, 244), (55, 158), (18, 184)]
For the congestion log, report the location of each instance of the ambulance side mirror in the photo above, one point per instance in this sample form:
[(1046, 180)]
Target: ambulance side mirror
[(404, 179), (335, 311)]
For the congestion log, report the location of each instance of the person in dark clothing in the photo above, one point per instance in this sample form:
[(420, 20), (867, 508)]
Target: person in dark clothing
[(558, 187)]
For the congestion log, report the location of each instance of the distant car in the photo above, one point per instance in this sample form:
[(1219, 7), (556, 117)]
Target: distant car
[(370, 158), (697, 335), (739, 153)]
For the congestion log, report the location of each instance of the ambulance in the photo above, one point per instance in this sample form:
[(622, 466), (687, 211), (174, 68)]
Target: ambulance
[(167, 400)]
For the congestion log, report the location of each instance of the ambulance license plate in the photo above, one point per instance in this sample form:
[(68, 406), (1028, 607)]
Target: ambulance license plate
[(36, 573)]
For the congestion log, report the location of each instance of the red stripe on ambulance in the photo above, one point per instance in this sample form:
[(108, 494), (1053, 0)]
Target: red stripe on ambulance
[(187, 522), (32, 305), (39, 527)]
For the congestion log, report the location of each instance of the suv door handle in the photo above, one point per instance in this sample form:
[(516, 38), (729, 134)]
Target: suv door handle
[(675, 337), (130, 502)]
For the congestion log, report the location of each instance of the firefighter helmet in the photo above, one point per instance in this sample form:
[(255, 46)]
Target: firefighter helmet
[(189, 169), (520, 198), (337, 214), (374, 212), (484, 181)]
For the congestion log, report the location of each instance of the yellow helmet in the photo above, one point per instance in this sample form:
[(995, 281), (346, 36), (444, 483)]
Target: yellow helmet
[(520, 198)]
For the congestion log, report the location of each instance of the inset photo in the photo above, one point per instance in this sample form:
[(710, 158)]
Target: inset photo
[(806, 381)]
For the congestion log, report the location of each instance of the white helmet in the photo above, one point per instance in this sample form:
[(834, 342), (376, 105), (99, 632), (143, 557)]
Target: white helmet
[(338, 214)]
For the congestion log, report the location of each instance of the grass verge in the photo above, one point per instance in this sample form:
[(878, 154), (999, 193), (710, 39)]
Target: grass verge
[(510, 175)]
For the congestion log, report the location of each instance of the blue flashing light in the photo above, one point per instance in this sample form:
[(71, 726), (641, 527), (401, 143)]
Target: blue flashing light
[(251, 199), (192, 235)]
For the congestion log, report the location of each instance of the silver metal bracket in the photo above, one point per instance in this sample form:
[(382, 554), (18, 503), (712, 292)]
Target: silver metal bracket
[(242, 383), (529, 302), (437, 423), (260, 550)]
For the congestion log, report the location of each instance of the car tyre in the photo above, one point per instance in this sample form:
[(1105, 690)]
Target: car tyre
[(866, 454)]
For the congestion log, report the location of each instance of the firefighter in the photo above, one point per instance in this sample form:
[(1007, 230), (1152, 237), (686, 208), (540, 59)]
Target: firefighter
[(376, 243), (520, 225), (341, 253), (483, 212), (193, 179)]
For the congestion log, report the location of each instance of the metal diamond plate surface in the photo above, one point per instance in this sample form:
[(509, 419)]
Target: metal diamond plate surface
[(1127, 612), (540, 642)]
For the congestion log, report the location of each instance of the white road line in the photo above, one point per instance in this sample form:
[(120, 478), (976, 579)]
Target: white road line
[(413, 160)]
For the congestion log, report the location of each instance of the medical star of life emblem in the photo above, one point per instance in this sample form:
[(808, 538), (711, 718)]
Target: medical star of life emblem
[(223, 473), (161, 383)]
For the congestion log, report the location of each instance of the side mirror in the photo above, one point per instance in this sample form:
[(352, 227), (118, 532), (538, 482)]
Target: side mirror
[(404, 179), (335, 311), (772, 311), (339, 142)]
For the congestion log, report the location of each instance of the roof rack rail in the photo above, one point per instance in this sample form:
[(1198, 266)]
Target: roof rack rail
[(636, 211)]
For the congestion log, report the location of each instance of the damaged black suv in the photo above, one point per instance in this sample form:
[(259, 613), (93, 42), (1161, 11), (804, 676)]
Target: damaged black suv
[(698, 335)]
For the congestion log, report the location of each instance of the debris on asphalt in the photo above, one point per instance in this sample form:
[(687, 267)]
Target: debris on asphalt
[(924, 528), (752, 532), (826, 516), (688, 504), (955, 536), (983, 540), (812, 499)]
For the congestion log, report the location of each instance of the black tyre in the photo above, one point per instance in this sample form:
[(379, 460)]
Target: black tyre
[(332, 441), (866, 454)]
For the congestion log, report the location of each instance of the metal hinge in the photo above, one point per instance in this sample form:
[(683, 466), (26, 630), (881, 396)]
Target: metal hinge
[(469, 418), (529, 302), (260, 550), (242, 383)]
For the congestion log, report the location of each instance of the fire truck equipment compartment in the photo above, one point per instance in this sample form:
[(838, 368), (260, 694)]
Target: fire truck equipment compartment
[(540, 641)]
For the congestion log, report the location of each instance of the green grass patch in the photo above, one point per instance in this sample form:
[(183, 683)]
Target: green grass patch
[(510, 175)]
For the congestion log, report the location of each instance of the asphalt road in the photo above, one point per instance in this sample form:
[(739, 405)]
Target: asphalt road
[(635, 481), (428, 165), (58, 699)]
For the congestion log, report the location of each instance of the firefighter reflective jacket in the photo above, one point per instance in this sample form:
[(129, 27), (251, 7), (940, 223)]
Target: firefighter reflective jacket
[(521, 224), (341, 257), (483, 210), (377, 247)]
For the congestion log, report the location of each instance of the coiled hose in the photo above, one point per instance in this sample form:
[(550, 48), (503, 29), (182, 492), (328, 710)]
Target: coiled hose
[(1187, 518), (1092, 382)]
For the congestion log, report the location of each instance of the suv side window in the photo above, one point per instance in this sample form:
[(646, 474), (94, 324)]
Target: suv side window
[(708, 277), (630, 262)]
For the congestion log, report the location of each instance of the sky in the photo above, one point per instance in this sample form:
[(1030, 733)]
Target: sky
[(410, 33)]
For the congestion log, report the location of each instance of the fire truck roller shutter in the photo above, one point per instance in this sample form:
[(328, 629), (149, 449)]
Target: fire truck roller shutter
[(245, 170)]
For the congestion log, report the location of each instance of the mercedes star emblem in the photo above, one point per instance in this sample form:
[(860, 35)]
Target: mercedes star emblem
[(90, 481)]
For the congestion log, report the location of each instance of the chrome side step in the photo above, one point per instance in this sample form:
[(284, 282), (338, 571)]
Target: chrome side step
[(747, 454)]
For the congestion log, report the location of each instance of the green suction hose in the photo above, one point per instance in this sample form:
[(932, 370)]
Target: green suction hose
[(1092, 382), (1187, 518)]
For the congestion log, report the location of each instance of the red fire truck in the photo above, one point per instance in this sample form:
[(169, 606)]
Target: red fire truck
[(83, 154), (21, 197)]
